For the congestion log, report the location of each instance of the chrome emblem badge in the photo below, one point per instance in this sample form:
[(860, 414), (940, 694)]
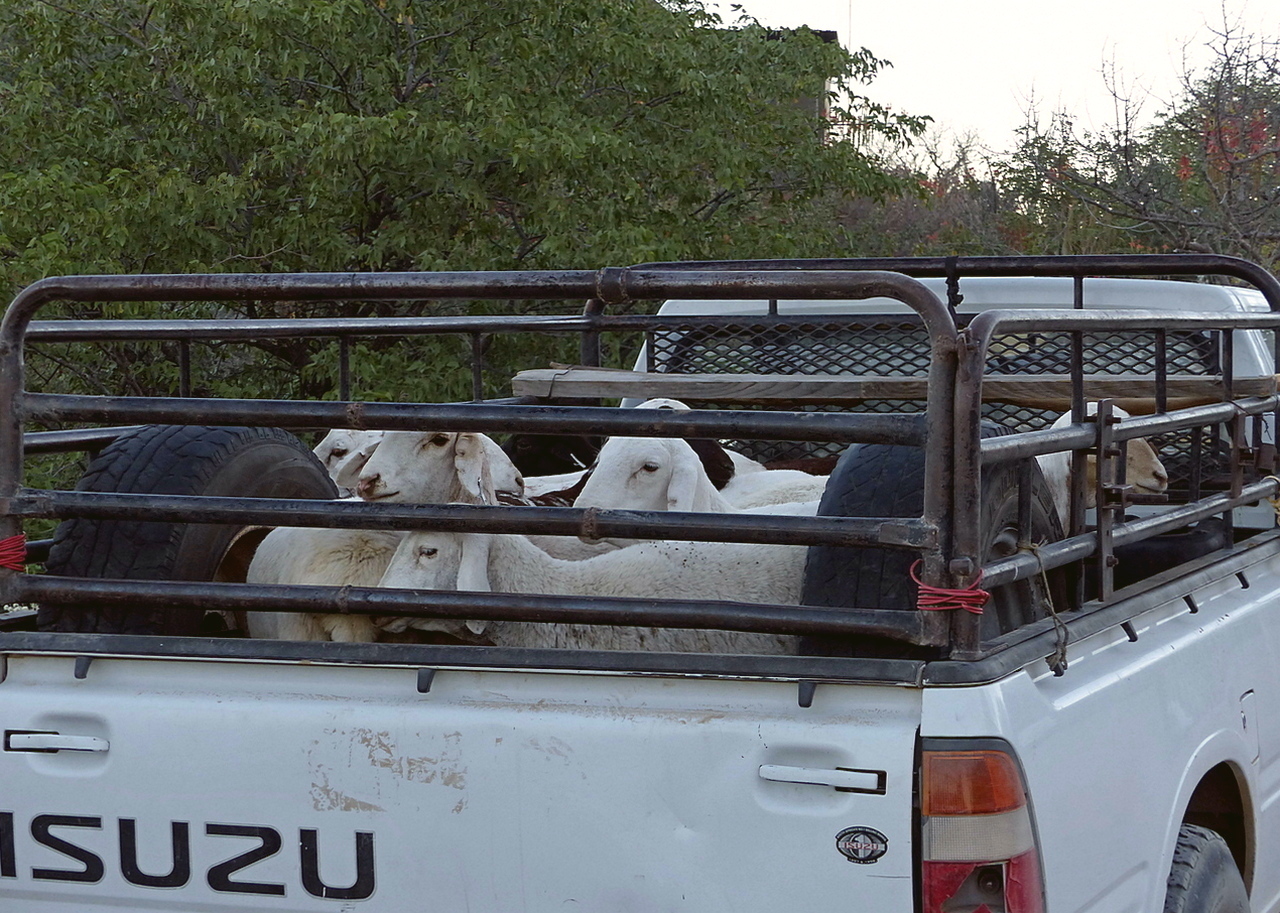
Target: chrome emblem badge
[(863, 845)]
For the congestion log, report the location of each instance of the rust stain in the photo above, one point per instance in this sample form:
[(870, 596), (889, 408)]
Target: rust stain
[(383, 752), (324, 798)]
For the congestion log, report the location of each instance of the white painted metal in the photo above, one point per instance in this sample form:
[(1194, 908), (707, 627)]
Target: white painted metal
[(1113, 749), (493, 792)]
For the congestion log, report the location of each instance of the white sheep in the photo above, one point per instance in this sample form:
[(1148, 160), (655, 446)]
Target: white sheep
[(429, 467), (666, 474), (639, 473), (545, 485), (319, 557), (773, 486), (422, 467), (680, 570), (344, 452), (1143, 469)]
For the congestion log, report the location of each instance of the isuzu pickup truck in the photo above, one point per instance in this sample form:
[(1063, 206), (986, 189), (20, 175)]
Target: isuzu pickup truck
[(993, 707)]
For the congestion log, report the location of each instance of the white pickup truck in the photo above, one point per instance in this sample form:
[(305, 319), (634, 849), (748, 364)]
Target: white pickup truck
[(1101, 734)]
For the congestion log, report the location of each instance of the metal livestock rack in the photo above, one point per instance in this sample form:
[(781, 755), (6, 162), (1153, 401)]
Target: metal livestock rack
[(946, 534)]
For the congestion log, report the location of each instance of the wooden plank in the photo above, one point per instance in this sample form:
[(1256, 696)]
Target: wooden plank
[(602, 382), (1135, 392)]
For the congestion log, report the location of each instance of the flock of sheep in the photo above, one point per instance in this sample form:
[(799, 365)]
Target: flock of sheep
[(629, 473)]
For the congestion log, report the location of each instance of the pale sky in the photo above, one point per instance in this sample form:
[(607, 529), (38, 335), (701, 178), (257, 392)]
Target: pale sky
[(977, 65)]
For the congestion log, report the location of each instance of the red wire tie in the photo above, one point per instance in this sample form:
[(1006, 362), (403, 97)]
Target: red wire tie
[(938, 599), (13, 552)]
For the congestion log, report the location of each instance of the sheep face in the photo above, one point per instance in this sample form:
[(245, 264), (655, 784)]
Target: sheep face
[(430, 560), (344, 453), (432, 467), (647, 474), (438, 561), (1143, 469)]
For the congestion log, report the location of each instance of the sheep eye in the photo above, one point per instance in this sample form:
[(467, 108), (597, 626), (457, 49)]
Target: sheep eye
[(651, 466), (427, 552), (441, 439)]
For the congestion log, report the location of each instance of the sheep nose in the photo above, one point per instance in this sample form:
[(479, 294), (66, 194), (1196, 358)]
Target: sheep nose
[(367, 484)]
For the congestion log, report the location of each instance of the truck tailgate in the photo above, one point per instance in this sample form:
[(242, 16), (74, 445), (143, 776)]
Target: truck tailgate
[(290, 786)]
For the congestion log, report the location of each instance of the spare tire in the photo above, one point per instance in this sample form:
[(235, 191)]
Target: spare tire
[(887, 480), (174, 460)]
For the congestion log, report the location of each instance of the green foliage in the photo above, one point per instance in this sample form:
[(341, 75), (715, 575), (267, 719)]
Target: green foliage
[(953, 207), (356, 135), (288, 135)]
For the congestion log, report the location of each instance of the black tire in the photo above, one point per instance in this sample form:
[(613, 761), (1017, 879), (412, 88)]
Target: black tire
[(883, 480), (1204, 877), (176, 460)]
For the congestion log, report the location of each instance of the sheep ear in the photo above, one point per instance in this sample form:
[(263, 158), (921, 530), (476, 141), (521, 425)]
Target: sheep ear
[(682, 490), (473, 565), (472, 465)]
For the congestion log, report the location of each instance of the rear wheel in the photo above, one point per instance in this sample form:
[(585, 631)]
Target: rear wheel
[(1204, 877), (176, 460)]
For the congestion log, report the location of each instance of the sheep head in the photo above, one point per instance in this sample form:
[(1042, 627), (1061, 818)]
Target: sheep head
[(434, 560), (344, 452), (648, 474), (432, 467), (1143, 469)]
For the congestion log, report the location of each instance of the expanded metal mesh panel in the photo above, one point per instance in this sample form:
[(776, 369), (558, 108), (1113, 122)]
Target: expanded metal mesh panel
[(1018, 418), (768, 451), (899, 346), (1105, 353), (879, 346), (801, 348)]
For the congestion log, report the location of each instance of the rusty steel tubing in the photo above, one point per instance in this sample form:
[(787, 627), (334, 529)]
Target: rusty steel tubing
[(246, 329), (1076, 548), (971, 452), (588, 522), (610, 285), (1073, 437), (484, 416), (686, 613), (1071, 265)]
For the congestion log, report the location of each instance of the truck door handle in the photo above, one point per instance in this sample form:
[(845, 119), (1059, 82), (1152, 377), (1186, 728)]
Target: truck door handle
[(843, 779), (52, 741)]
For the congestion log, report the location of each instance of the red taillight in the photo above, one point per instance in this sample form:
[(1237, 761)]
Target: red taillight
[(978, 845)]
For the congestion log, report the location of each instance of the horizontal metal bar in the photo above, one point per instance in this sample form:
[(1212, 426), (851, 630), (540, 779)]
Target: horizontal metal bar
[(714, 614), (552, 521), (1025, 444), (797, 426), (1058, 554), (93, 439), (1040, 639), (72, 440), (63, 331), (1084, 265), (841, 669), (611, 285), (1007, 321)]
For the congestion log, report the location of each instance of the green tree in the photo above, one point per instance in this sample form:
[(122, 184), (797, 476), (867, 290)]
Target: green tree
[(294, 135)]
